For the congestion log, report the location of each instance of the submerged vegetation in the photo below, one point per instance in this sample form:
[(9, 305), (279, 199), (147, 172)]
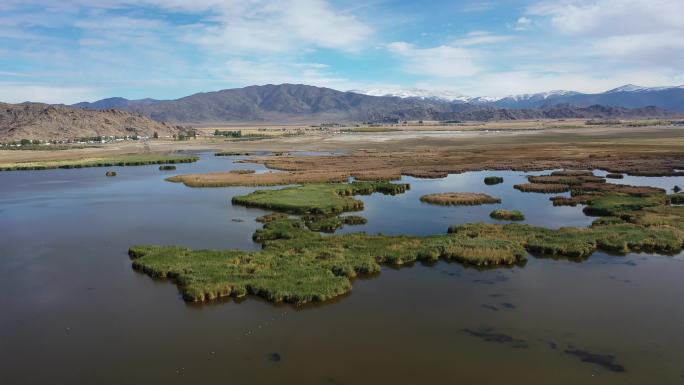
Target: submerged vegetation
[(459, 199), (321, 199), (120, 160), (508, 215)]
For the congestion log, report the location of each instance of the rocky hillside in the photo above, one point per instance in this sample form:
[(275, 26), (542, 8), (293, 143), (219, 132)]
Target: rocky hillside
[(302, 103), (44, 121)]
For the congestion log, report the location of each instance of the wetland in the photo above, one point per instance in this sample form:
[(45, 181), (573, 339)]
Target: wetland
[(251, 283)]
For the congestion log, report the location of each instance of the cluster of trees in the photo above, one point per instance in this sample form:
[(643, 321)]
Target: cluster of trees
[(228, 134), (187, 136)]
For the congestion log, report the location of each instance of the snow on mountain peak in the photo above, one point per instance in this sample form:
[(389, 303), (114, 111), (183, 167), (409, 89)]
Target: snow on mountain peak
[(443, 95)]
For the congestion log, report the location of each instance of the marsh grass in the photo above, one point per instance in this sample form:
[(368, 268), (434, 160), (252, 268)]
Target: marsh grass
[(319, 199), (573, 173), (271, 217), (565, 179), (329, 224), (492, 180), (676, 199), (121, 160), (298, 265), (459, 199), (508, 215), (542, 187)]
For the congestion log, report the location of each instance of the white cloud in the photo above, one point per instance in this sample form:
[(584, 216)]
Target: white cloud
[(21, 92), (523, 24), (481, 38), (612, 17), (263, 71), (442, 61), (630, 31), (277, 26)]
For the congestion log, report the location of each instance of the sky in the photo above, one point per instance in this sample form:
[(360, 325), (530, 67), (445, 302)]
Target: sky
[(66, 51)]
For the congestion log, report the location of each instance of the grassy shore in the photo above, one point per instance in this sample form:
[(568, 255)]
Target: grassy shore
[(119, 160), (320, 199)]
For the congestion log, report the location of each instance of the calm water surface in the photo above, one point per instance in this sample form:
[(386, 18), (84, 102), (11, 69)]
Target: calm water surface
[(72, 311)]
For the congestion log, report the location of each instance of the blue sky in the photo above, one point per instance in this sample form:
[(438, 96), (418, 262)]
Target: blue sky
[(73, 50)]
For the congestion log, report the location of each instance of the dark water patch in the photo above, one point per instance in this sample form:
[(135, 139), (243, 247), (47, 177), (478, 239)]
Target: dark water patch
[(496, 295), (507, 305), (606, 361), (274, 357), (488, 335), (552, 345), (333, 381), (484, 281), (490, 307)]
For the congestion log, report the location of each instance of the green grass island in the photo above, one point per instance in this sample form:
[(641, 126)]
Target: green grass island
[(298, 265)]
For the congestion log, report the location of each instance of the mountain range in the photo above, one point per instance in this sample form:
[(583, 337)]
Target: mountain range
[(303, 103), (628, 96)]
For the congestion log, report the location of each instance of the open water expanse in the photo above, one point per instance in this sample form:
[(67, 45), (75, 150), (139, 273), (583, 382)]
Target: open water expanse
[(73, 311)]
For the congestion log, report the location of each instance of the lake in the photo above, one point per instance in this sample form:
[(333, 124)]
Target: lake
[(73, 311)]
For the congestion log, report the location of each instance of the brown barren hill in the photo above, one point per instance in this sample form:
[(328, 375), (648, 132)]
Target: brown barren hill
[(49, 122)]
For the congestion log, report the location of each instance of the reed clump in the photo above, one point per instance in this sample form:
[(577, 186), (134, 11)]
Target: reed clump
[(167, 168), (546, 188), (565, 180), (508, 215), (676, 199), (613, 175), (272, 217), (492, 180), (573, 173), (459, 199)]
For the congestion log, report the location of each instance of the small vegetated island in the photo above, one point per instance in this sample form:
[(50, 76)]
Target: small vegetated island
[(507, 215), (459, 199), (297, 264), (492, 180)]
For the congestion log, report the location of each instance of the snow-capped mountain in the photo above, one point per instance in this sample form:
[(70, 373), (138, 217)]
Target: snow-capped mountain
[(633, 88), (629, 96), (404, 93)]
